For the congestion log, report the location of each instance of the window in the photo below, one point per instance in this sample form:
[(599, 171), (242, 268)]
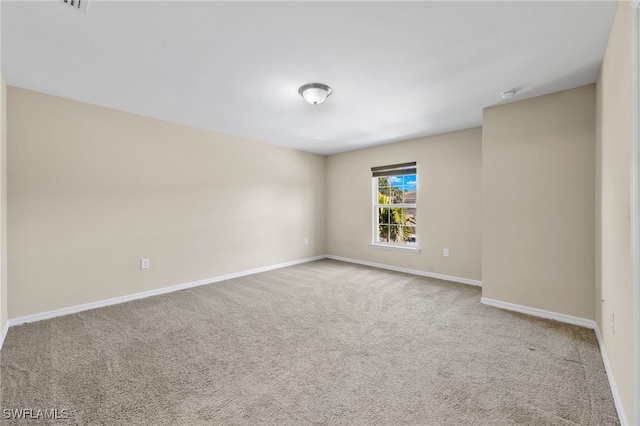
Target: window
[(394, 205)]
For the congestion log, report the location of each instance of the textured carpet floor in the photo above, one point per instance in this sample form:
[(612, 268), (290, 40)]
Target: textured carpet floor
[(320, 343)]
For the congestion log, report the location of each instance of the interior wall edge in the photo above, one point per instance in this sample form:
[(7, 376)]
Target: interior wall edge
[(622, 415), (541, 313), (156, 292), (3, 334), (460, 280)]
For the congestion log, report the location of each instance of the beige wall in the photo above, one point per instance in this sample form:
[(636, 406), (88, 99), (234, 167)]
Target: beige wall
[(449, 203), (538, 202), (93, 190), (613, 196), (3, 205)]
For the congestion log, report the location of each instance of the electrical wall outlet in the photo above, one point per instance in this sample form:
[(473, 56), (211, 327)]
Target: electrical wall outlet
[(445, 252), (306, 240), (144, 263)]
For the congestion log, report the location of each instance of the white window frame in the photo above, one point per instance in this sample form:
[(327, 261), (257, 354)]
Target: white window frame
[(375, 243)]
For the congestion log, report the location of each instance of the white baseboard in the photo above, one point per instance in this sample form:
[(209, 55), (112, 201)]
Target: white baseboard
[(113, 301), (408, 271), (3, 333), (612, 381), (569, 319), (587, 323)]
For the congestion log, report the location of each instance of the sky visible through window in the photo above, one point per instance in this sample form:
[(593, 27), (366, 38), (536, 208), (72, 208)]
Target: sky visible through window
[(409, 182)]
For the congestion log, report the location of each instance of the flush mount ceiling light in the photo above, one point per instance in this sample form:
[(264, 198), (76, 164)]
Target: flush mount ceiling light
[(315, 93), (508, 94)]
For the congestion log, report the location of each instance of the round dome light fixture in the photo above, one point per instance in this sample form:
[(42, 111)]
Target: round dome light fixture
[(509, 94), (315, 93)]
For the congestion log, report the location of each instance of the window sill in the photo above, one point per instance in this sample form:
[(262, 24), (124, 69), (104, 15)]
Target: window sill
[(394, 247)]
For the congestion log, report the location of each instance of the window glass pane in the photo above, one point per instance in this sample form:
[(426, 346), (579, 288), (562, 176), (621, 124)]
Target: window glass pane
[(394, 233), (404, 235), (410, 231), (383, 181), (384, 196), (398, 216), (395, 181), (410, 216), (394, 190), (410, 196), (383, 215), (396, 195), (409, 182), (383, 233)]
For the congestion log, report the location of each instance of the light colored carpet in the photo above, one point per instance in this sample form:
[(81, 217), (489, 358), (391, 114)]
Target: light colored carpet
[(320, 343)]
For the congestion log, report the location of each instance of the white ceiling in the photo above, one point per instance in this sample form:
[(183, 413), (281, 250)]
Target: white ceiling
[(398, 70)]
